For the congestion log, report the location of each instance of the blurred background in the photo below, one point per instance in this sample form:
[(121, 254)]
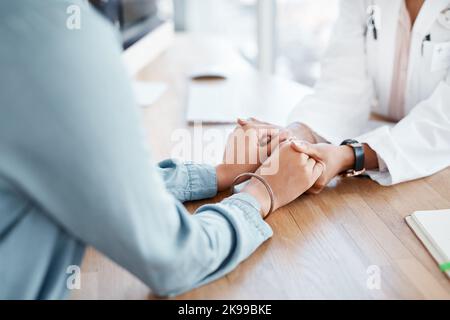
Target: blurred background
[(282, 37)]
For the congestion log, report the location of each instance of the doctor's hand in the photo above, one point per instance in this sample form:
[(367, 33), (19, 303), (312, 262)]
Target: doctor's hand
[(337, 159), (288, 173)]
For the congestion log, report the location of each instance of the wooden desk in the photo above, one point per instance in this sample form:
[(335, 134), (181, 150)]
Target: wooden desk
[(323, 245)]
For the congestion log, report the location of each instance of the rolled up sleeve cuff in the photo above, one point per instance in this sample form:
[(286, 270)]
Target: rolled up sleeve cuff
[(251, 209), (189, 181), (202, 181), (242, 211)]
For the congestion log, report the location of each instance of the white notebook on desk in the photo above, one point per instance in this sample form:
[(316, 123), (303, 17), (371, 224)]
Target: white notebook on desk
[(246, 94), (433, 229)]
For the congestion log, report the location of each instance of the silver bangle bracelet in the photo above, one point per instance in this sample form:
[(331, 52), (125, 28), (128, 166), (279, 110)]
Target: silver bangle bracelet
[(263, 181)]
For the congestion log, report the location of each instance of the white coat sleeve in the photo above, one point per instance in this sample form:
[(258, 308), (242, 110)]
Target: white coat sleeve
[(340, 106), (418, 145)]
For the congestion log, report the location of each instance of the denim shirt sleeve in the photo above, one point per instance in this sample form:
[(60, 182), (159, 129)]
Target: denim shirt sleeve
[(188, 181), (82, 164)]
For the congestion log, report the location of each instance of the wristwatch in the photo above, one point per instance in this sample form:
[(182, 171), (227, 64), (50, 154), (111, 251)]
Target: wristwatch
[(358, 150)]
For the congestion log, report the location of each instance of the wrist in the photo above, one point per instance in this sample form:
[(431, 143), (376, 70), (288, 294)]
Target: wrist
[(257, 190), (346, 158), (223, 177), (371, 158), (226, 173)]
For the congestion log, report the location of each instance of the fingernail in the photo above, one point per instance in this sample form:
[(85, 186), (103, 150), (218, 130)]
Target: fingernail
[(299, 144), (242, 121)]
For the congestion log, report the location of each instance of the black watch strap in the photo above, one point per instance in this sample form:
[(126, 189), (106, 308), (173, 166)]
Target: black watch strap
[(358, 150)]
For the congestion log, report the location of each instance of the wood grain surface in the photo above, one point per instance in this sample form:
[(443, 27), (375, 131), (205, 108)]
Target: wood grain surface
[(324, 246)]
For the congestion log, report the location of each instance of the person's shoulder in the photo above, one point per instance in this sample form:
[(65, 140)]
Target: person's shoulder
[(39, 26), (46, 56), (19, 13)]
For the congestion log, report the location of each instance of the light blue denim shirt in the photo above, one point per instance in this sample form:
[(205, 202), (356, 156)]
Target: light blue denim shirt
[(75, 171)]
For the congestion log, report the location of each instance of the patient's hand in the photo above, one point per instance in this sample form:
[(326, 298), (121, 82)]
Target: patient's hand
[(250, 144), (289, 174), (244, 152)]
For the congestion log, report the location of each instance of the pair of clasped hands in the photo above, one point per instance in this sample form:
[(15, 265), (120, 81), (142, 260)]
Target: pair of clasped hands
[(284, 158)]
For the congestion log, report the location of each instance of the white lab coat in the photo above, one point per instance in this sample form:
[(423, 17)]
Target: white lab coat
[(356, 80)]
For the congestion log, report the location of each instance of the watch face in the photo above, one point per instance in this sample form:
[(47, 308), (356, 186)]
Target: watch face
[(357, 145), (349, 142)]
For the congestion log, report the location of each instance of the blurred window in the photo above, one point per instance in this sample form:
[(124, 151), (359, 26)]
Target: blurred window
[(302, 30)]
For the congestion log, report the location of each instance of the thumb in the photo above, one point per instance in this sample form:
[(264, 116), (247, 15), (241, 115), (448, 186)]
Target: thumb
[(307, 148)]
